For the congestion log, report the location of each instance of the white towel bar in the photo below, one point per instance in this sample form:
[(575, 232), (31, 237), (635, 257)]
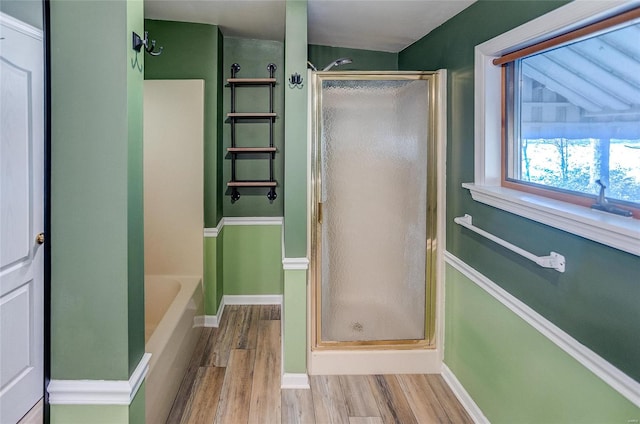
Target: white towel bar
[(554, 260)]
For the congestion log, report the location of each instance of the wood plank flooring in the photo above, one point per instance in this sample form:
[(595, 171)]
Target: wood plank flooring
[(234, 378)]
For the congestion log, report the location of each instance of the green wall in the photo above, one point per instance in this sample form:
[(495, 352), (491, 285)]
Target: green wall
[(242, 260), (595, 300), (295, 208), (295, 321), (94, 414), (219, 276), (252, 259), (137, 408), (97, 301), (514, 373), (295, 205), (253, 56), (101, 414), (210, 250), (192, 51), (220, 196), (135, 197), (363, 60)]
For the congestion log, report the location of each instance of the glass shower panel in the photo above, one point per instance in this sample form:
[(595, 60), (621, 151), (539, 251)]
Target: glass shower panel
[(374, 193)]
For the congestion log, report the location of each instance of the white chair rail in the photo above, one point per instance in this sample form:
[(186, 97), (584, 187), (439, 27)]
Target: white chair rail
[(554, 260)]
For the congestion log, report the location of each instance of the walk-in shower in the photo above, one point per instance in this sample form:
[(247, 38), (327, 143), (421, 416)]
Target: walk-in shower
[(374, 160)]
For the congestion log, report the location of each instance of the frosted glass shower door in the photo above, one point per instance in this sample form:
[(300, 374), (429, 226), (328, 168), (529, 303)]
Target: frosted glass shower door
[(373, 160)]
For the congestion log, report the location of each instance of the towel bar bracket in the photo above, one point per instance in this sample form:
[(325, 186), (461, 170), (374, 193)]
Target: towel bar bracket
[(554, 260)]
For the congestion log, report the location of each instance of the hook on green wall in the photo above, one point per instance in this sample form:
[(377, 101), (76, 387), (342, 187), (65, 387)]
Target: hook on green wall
[(149, 47), (295, 80)]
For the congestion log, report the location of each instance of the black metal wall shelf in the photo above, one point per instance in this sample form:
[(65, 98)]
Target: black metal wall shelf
[(234, 117)]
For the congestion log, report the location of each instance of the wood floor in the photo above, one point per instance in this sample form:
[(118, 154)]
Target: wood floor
[(234, 378)]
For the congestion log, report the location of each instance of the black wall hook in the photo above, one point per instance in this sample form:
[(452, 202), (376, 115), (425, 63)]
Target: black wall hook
[(149, 47), (295, 80)]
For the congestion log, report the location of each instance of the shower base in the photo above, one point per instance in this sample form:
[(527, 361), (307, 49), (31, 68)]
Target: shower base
[(372, 338), (351, 322), (371, 321)]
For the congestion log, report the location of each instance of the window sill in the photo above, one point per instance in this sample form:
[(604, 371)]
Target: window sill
[(611, 230)]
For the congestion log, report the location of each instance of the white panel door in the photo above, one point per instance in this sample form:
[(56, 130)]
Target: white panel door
[(21, 218)]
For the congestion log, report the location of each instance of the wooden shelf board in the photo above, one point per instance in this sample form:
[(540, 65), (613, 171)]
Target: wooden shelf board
[(250, 81), (252, 184), (251, 149), (251, 115)]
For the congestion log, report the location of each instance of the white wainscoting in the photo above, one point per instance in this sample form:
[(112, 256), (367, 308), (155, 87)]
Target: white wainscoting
[(99, 392)]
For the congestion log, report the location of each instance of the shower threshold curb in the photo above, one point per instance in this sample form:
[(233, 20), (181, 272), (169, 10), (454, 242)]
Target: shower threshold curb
[(358, 362)]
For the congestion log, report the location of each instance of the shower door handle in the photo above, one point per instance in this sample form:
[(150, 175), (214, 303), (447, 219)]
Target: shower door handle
[(320, 212)]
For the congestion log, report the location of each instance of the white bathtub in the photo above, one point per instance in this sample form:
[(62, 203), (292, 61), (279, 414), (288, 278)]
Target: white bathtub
[(171, 304)]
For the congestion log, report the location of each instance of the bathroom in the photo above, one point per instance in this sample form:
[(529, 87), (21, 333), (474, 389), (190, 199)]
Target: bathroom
[(97, 211)]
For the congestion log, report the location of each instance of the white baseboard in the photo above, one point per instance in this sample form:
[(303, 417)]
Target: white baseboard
[(211, 321), (295, 381), (465, 399), (99, 392), (214, 320), (262, 299)]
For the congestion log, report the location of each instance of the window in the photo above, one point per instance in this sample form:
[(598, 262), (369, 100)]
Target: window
[(609, 229), (572, 109)]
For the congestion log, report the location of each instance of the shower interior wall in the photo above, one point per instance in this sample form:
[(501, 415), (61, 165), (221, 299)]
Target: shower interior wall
[(594, 305)]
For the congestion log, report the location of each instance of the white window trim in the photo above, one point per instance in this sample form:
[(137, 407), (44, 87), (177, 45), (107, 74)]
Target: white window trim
[(611, 230)]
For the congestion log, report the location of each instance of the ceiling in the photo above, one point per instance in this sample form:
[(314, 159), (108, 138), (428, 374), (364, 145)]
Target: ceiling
[(383, 25)]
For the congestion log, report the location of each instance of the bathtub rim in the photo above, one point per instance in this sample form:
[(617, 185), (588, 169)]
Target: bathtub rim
[(162, 334)]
